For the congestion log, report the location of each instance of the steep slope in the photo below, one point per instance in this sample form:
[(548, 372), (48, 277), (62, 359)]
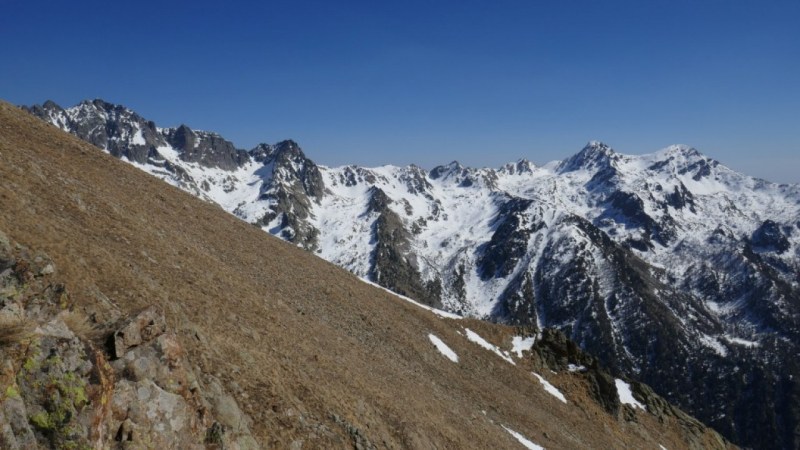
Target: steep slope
[(312, 356), (670, 267)]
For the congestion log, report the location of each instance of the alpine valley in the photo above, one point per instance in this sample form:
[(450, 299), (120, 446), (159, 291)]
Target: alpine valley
[(669, 267)]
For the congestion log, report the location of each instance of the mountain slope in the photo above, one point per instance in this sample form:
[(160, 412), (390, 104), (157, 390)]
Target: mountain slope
[(312, 355), (670, 267)]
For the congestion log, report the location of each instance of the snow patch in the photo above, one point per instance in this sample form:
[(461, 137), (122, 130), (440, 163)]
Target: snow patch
[(626, 396), (523, 440), (552, 390), (138, 138), (443, 348), (521, 344), (574, 368), (740, 341), (714, 344), (476, 338), (438, 312)]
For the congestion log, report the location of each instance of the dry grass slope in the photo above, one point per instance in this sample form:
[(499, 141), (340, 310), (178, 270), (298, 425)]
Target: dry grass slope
[(316, 357)]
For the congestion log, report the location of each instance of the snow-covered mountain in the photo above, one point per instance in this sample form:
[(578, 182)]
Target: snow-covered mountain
[(671, 267)]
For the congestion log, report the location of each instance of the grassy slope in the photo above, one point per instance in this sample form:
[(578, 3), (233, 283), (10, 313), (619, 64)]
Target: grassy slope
[(303, 339)]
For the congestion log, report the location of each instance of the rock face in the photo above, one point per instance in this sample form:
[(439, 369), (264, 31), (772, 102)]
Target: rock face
[(669, 267), (62, 387), (289, 195), (394, 266), (205, 149)]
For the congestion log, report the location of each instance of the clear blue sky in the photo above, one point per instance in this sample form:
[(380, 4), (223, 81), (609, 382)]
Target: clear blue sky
[(428, 82)]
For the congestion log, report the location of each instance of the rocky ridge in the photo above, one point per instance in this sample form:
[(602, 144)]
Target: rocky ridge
[(670, 267)]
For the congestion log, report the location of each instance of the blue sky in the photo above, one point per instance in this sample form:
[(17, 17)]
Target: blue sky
[(426, 82)]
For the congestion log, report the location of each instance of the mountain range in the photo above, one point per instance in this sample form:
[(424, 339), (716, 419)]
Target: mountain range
[(135, 315), (669, 267)]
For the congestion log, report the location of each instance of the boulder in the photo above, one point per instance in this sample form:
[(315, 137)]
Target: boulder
[(145, 326)]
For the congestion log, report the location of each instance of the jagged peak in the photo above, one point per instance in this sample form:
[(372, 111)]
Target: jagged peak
[(262, 152), (288, 144), (183, 129), (103, 109), (680, 150), (101, 104), (49, 110), (289, 160), (445, 170), (598, 148), (201, 134), (261, 146), (49, 104), (288, 149), (681, 160), (594, 155), (522, 165), (597, 144), (453, 165)]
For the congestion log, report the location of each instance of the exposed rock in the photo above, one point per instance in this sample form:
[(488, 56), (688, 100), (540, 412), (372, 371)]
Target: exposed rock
[(393, 265), (555, 352), (295, 183), (681, 197), (508, 244), (207, 149), (770, 237), (145, 326), (58, 389)]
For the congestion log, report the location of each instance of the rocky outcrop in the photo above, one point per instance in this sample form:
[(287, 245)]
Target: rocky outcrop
[(295, 182), (770, 237), (68, 382), (393, 264), (509, 243), (206, 149), (554, 351)]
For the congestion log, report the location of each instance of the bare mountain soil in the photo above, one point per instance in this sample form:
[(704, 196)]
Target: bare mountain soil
[(315, 357)]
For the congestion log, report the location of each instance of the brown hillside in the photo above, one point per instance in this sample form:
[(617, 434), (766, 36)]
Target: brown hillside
[(317, 358)]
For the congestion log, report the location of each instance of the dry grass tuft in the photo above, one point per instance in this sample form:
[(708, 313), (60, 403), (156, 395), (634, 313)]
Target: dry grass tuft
[(15, 331), (81, 325)]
